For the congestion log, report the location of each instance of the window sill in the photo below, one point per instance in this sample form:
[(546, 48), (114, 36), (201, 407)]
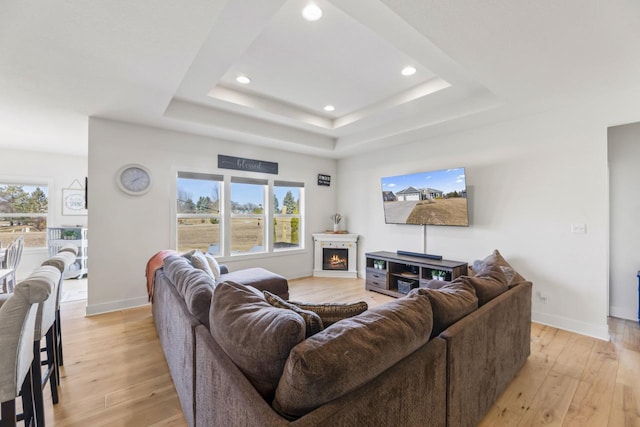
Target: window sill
[(263, 255)]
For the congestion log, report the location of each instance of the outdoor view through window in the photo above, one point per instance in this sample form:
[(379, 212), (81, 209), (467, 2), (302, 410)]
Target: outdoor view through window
[(201, 216), (23, 212)]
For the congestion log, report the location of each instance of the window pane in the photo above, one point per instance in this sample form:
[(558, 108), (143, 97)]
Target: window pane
[(23, 212), (247, 234), (247, 198), (286, 207), (198, 196), (247, 222), (286, 200), (198, 208), (199, 233)]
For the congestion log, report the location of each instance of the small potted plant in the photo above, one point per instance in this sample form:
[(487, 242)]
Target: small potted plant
[(336, 218), (69, 235), (438, 274)]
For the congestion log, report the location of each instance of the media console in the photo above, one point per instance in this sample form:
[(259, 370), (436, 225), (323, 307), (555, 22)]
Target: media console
[(394, 274)]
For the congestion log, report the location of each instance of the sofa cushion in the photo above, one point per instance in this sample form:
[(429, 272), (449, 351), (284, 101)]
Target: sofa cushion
[(255, 335), (312, 321), (351, 353), (450, 303), (489, 282), (213, 265), (332, 312), (199, 260), (261, 279), (496, 258)]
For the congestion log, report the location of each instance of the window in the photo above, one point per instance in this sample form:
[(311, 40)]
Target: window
[(23, 212), (198, 212), (287, 217), (247, 215)]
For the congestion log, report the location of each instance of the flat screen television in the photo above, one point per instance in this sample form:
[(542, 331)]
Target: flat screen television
[(426, 198)]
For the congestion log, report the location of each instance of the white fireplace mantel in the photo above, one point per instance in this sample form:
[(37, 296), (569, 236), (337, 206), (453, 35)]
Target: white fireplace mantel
[(338, 241)]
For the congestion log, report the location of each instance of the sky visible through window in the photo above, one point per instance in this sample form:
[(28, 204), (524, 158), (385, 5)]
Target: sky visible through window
[(240, 193), (447, 180)]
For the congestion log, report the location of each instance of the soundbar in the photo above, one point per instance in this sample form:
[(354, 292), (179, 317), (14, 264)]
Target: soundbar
[(418, 254)]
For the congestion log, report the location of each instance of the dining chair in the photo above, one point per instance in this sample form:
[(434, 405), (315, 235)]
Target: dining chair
[(18, 314), (62, 260), (45, 329), (13, 255)]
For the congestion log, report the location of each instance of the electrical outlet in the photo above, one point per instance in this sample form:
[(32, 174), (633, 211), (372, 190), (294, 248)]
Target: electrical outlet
[(543, 297)]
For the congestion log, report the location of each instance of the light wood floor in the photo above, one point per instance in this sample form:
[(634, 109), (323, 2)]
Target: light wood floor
[(115, 373)]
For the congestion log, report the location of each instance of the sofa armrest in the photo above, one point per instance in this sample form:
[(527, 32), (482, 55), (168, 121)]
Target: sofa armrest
[(485, 350), (224, 269)]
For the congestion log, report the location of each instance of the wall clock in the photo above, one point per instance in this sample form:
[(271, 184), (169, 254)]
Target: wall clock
[(134, 179)]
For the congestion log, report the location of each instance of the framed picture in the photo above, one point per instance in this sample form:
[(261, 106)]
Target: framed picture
[(73, 201)]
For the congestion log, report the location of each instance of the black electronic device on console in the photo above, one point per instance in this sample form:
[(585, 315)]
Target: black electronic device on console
[(419, 254)]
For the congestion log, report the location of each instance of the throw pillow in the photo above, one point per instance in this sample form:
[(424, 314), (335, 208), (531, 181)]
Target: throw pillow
[(351, 353), (332, 312), (312, 320), (488, 283), (256, 336), (450, 303), (199, 261), (213, 265), (496, 258)]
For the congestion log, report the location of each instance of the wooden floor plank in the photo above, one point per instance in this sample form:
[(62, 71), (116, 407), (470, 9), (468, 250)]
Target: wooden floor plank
[(115, 373)]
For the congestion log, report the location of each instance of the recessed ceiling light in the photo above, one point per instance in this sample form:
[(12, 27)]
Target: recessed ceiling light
[(312, 12), (329, 108), (408, 71), (243, 80)]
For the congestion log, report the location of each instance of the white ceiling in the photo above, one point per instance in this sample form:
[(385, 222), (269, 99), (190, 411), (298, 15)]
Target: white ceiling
[(173, 65)]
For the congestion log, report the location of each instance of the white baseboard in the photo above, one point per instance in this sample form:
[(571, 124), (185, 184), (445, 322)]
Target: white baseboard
[(108, 307), (623, 313), (596, 331)]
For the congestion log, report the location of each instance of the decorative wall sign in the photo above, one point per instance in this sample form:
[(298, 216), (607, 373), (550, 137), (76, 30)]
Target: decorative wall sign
[(74, 198), (324, 180), (241, 164), (73, 201)]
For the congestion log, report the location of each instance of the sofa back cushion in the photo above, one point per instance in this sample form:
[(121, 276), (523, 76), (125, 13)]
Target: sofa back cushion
[(194, 285), (450, 303), (496, 258), (351, 353), (489, 282), (255, 335)]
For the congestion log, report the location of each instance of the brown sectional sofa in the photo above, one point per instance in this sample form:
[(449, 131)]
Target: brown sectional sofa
[(451, 378)]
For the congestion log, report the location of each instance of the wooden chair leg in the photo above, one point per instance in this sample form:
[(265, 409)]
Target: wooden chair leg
[(59, 324), (26, 393), (8, 413), (51, 363), (36, 373)]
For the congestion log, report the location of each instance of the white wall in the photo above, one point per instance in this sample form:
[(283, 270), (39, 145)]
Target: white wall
[(624, 170), (58, 171), (125, 231), (528, 179)]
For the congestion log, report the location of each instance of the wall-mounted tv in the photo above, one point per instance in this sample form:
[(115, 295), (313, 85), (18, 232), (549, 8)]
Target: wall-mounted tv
[(426, 198)]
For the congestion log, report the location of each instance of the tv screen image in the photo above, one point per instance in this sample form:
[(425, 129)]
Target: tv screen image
[(426, 198)]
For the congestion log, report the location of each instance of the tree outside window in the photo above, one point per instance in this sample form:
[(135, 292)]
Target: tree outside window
[(199, 212), (287, 217), (23, 212)]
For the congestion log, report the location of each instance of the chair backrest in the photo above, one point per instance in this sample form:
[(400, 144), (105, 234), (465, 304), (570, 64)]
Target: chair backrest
[(17, 327), (62, 260), (14, 253), (46, 309)]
